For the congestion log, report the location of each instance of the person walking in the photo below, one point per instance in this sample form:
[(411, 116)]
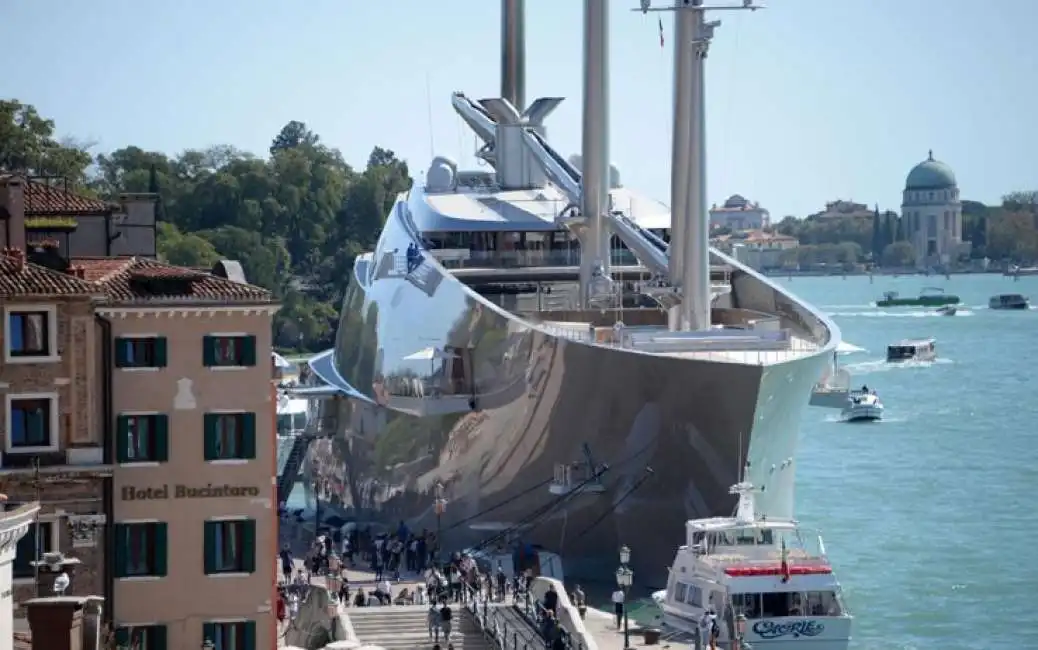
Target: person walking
[(618, 607)]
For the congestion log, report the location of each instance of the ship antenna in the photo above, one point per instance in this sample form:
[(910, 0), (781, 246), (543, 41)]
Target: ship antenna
[(428, 110)]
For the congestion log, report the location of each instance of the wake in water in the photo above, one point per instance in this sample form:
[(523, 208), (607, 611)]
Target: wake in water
[(877, 313), (882, 365)]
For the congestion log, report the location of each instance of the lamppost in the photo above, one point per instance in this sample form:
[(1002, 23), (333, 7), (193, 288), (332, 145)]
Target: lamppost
[(624, 579), (740, 632), (440, 506)]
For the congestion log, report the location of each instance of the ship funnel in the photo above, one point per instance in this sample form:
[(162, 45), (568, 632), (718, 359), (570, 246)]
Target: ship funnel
[(513, 52), (745, 512)]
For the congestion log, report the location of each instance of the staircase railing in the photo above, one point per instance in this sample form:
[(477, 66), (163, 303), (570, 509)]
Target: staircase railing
[(497, 628), (535, 613)]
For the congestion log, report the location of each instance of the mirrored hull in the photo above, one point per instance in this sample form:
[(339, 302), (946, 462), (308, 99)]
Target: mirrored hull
[(450, 390)]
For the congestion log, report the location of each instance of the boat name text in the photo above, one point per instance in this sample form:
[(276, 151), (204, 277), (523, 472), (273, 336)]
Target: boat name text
[(796, 629), (209, 491)]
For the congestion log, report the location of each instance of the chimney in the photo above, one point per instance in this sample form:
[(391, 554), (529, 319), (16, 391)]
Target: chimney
[(18, 255), (12, 196), (56, 623)]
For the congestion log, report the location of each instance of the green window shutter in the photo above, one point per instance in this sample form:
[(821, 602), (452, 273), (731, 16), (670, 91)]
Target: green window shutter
[(209, 632), (122, 637), (209, 350), (120, 550), (209, 541), (122, 438), (248, 546), (121, 360), (160, 534), (161, 443), (160, 352), (250, 635), (209, 442), (158, 637), (248, 353), (248, 435)]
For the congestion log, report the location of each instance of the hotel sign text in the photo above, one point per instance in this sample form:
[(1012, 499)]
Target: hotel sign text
[(208, 491)]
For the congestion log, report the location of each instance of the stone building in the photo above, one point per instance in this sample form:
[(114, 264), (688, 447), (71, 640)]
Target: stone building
[(932, 214), (53, 440)]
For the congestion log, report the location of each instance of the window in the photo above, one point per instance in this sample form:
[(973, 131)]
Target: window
[(30, 334), (231, 636), (142, 438), (230, 436), (32, 422), (140, 549), (145, 637), (230, 546), (142, 352), (229, 351), (28, 550)]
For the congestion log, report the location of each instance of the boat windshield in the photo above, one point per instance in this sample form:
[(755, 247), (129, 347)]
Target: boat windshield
[(901, 352), (780, 604)]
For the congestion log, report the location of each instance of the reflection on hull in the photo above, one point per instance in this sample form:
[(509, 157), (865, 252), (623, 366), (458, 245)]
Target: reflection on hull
[(448, 389)]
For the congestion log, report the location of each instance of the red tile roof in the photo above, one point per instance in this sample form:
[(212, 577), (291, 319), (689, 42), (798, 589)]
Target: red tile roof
[(43, 199), (122, 280), (19, 278)]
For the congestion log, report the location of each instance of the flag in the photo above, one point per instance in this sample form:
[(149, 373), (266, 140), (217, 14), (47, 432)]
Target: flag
[(661, 32), (785, 563)]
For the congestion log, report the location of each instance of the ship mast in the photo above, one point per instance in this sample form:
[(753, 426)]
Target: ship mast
[(513, 53), (689, 223)]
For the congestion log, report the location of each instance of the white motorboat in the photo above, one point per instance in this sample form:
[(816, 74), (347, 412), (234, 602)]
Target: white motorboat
[(862, 406), (767, 581), (912, 350), (947, 310)]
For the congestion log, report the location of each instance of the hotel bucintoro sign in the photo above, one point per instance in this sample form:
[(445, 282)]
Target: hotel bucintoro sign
[(208, 491)]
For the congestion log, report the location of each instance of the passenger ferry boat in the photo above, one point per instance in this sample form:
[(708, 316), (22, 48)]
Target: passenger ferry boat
[(771, 571), (541, 319), (1009, 301), (912, 350)]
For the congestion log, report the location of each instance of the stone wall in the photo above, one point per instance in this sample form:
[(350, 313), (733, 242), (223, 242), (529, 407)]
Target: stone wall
[(61, 494)]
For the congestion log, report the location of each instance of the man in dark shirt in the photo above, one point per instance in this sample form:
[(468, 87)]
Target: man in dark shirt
[(551, 600)]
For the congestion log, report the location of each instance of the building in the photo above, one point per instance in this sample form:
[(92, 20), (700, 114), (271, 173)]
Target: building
[(932, 214), (194, 510), (763, 250), (53, 439), (14, 524), (79, 226), (840, 209), (739, 214), (140, 414)]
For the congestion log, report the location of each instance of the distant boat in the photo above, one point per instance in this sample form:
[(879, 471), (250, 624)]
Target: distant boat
[(1016, 271), (930, 297), (947, 310), (1009, 301)]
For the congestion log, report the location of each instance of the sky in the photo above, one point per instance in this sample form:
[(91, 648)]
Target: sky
[(808, 101)]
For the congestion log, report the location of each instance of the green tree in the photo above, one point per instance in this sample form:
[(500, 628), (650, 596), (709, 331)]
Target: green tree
[(900, 254), (28, 145)]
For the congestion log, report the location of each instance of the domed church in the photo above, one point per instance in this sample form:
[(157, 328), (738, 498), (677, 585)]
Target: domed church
[(932, 213)]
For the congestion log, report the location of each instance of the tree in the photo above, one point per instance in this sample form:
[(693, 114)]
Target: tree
[(28, 145), (900, 254), (877, 235), (293, 135)]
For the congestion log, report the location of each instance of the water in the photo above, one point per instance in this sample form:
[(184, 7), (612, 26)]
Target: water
[(923, 513)]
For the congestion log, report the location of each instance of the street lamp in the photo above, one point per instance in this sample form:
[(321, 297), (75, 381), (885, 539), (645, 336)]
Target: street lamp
[(440, 505), (624, 579), (740, 632)]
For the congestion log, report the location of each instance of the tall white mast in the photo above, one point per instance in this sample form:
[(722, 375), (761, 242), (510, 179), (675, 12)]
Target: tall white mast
[(690, 225)]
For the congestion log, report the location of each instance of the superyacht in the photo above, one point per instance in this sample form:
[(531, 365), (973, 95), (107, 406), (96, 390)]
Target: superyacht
[(537, 353)]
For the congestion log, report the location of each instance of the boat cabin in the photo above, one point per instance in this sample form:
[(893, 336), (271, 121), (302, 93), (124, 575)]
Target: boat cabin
[(912, 350), (1008, 301)]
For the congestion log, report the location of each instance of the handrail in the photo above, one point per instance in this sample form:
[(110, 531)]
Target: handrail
[(494, 625)]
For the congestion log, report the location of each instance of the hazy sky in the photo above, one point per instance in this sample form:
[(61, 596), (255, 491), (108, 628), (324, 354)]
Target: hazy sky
[(808, 101)]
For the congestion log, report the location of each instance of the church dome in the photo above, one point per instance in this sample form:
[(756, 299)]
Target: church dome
[(930, 175)]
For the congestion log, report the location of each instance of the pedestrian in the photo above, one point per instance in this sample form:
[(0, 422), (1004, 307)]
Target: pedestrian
[(445, 621), (618, 606)]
